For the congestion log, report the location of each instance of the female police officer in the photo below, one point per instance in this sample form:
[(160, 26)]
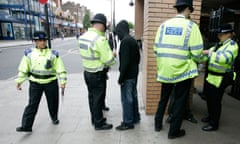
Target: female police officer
[(220, 74), (41, 65)]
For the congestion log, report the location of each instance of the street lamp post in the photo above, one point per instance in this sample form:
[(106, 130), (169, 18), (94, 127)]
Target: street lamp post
[(47, 23), (44, 2), (113, 15)]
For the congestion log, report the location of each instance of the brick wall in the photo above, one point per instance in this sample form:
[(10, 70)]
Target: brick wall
[(155, 12)]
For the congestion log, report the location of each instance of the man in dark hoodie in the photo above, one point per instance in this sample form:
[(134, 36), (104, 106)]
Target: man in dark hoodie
[(129, 57)]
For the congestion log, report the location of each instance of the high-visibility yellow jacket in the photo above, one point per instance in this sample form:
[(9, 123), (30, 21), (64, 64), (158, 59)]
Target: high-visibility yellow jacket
[(41, 66), (178, 47), (221, 61), (95, 51)]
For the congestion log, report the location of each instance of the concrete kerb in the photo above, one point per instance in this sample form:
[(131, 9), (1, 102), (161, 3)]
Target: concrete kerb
[(14, 43)]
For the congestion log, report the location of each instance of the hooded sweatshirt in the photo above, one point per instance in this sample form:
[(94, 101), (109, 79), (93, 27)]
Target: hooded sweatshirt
[(129, 53)]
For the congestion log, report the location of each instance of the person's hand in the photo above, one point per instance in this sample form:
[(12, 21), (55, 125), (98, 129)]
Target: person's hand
[(114, 54), (205, 52), (62, 86), (19, 86)]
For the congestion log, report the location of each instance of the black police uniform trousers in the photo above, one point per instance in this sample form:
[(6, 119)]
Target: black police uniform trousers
[(214, 98), (188, 111), (96, 84), (180, 95), (35, 93)]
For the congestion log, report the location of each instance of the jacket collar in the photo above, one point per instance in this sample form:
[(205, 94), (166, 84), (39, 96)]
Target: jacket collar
[(97, 31)]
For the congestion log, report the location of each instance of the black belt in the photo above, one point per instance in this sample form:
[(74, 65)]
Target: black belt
[(216, 73), (41, 76)]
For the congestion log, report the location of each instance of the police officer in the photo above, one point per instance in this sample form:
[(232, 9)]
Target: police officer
[(42, 66), (178, 46), (97, 57), (220, 74)]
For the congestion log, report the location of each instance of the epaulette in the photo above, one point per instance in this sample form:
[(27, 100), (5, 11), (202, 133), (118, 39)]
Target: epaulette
[(232, 42), (54, 52), (27, 51)]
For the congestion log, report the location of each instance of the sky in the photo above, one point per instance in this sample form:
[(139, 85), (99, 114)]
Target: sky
[(122, 8)]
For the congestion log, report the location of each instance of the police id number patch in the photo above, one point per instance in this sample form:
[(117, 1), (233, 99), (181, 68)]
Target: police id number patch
[(174, 31)]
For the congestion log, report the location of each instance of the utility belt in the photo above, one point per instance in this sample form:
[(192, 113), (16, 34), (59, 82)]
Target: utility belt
[(98, 72), (41, 76), (219, 74)]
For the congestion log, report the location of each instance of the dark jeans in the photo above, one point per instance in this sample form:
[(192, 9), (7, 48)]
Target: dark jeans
[(129, 98), (96, 84), (35, 93), (180, 95)]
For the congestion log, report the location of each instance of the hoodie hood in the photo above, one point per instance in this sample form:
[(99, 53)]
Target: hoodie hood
[(122, 29)]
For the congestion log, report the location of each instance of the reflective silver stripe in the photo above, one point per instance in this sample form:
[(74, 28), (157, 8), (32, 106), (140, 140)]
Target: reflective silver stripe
[(197, 47), (109, 62), (161, 35), (42, 72), (85, 40), (170, 79), (172, 56), (218, 54), (230, 52), (161, 45), (225, 55), (220, 68), (184, 47), (92, 45), (90, 58), (85, 47), (61, 78), (188, 32), (93, 69)]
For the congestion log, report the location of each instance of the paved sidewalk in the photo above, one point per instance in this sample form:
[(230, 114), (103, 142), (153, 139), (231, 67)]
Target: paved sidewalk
[(75, 126)]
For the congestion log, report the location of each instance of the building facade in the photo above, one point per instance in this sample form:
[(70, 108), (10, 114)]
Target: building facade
[(20, 18), (149, 14)]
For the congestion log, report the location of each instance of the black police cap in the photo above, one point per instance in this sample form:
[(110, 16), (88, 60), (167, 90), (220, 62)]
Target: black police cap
[(225, 28), (39, 35), (184, 3)]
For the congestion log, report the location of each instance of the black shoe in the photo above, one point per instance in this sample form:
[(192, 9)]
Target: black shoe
[(209, 128), (191, 119), (55, 122), (206, 119), (158, 128), (124, 126), (105, 108), (105, 126), (180, 134), (22, 129), (104, 120)]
